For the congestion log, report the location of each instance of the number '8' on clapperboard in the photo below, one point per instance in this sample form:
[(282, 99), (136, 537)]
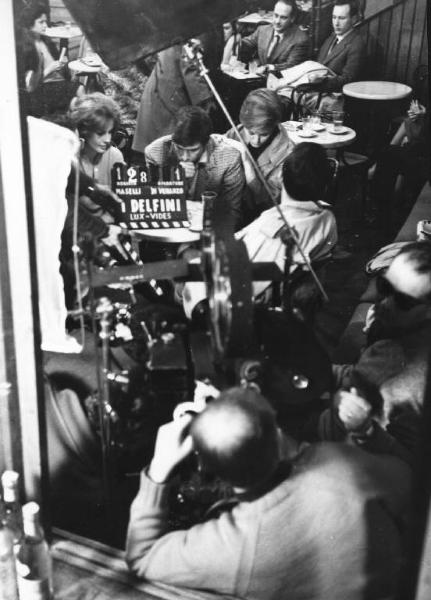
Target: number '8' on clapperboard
[(151, 199)]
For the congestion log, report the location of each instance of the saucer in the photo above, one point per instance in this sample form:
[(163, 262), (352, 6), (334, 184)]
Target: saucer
[(342, 131), (318, 128), (306, 134)]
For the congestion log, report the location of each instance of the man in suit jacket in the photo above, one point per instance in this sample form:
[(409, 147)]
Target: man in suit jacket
[(280, 45), (320, 526), (207, 162), (344, 52)]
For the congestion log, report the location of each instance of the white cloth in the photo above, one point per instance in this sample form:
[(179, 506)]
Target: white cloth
[(52, 149), (297, 75)]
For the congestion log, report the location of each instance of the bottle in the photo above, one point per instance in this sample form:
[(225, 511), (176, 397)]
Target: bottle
[(8, 585), (12, 513), (33, 561)]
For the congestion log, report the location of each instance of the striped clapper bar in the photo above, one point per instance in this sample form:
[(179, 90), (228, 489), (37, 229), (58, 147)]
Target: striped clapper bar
[(151, 198)]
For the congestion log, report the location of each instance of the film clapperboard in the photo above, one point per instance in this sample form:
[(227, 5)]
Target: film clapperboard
[(151, 198)]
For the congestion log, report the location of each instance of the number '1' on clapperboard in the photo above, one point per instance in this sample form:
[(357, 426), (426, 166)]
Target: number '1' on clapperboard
[(151, 198)]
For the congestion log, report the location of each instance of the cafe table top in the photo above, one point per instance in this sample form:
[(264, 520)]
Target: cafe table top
[(324, 137), (241, 74), (63, 32), (377, 90), (80, 66), (180, 235), (256, 18)]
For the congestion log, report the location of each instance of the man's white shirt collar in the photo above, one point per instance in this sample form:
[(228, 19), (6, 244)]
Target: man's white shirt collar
[(341, 37)]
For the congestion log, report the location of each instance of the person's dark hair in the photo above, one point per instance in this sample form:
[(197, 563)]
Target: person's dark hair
[(353, 4), (28, 56), (418, 253), (32, 12), (234, 26), (290, 3), (192, 126), (90, 113), (236, 438), (306, 172), (261, 108)]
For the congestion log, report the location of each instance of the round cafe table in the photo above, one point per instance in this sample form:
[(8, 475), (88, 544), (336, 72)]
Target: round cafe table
[(63, 32), (161, 244), (178, 235), (80, 67), (377, 90), (372, 105), (322, 136), (87, 70)]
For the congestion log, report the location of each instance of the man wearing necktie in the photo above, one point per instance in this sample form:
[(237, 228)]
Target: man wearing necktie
[(344, 51), (280, 45)]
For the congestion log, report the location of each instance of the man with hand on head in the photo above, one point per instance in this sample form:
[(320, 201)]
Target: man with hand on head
[(208, 162), (280, 45), (290, 511)]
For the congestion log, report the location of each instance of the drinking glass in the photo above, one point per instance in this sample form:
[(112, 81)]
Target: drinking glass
[(252, 67), (306, 125), (337, 121), (316, 120), (195, 214)]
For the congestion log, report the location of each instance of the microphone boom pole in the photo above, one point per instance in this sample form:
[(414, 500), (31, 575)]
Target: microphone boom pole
[(194, 53)]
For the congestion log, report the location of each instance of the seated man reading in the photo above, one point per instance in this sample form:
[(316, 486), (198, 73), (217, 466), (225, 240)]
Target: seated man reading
[(317, 525), (208, 162), (343, 53)]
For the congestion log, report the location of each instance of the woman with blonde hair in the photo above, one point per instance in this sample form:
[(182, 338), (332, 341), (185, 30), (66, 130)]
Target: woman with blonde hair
[(267, 141)]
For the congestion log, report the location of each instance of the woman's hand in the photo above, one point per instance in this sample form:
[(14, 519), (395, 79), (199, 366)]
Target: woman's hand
[(54, 66)]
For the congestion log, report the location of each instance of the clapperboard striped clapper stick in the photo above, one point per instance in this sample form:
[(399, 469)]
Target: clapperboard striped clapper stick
[(152, 198)]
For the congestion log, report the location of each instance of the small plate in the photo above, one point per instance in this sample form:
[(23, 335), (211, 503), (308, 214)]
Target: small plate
[(306, 134), (91, 61), (339, 131), (318, 128)]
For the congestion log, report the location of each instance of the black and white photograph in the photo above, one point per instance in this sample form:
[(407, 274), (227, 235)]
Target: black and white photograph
[(215, 300)]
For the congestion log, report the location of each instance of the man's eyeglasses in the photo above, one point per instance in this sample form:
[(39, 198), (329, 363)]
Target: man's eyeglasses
[(403, 301)]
